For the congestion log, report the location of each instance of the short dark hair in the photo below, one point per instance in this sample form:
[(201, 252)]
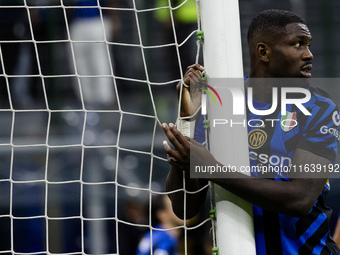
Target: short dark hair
[(272, 21)]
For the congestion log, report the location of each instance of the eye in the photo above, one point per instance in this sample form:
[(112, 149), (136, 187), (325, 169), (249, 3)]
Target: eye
[(298, 44)]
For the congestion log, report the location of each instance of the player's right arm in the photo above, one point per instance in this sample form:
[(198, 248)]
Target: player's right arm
[(189, 103), (191, 96)]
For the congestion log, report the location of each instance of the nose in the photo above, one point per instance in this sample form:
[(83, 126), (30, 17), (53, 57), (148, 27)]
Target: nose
[(308, 55)]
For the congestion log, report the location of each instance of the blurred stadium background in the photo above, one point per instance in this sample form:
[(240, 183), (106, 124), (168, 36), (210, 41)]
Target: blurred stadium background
[(81, 179)]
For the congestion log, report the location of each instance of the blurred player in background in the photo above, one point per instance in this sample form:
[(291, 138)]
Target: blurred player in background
[(93, 58), (163, 242)]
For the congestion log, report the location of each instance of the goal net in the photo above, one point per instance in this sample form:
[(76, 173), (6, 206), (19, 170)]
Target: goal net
[(84, 88)]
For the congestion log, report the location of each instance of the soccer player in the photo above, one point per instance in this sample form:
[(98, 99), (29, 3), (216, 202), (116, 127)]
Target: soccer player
[(163, 242), (289, 212)]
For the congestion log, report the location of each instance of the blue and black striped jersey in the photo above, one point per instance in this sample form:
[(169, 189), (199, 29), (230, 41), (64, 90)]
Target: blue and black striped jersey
[(272, 141)]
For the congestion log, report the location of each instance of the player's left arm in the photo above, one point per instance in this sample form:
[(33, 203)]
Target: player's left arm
[(295, 197), (309, 172)]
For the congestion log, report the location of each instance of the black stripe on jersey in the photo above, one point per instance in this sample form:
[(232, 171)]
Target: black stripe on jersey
[(325, 251), (291, 143), (330, 248), (324, 143), (304, 223), (302, 119), (314, 240), (272, 234), (317, 92), (323, 108), (318, 127), (266, 148), (317, 149)]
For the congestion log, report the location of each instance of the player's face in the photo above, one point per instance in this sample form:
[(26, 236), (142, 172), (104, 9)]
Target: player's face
[(290, 54)]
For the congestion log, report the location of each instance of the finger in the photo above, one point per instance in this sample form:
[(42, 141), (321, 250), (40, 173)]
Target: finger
[(197, 74), (171, 159), (186, 79), (191, 78), (180, 138), (194, 83), (194, 71), (196, 66), (173, 156), (194, 74), (169, 150), (174, 162), (174, 159), (172, 138)]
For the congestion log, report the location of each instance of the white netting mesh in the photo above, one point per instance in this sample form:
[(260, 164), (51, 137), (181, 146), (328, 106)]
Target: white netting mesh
[(84, 87)]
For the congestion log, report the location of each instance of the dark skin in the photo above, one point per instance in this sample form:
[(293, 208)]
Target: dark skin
[(284, 56), (191, 77), (287, 55)]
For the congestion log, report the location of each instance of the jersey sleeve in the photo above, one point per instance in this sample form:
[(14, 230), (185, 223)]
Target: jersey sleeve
[(200, 131), (167, 245), (321, 131)]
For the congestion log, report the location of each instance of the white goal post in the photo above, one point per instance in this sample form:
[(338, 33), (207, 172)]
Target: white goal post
[(222, 54)]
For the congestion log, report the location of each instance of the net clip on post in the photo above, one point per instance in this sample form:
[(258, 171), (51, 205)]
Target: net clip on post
[(206, 124), (212, 214), (200, 35), (215, 251), (203, 80)]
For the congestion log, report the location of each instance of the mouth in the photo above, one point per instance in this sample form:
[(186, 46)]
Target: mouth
[(305, 70)]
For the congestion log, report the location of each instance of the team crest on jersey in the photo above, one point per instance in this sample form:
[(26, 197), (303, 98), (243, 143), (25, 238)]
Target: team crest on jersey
[(288, 121), (256, 138)]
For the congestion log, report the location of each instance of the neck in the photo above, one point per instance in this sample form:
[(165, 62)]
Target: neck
[(262, 88)]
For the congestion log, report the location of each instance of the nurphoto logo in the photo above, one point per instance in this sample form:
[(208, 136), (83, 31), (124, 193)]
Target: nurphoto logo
[(204, 99), (238, 98)]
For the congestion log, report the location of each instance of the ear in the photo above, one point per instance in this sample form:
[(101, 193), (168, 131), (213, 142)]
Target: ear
[(263, 51)]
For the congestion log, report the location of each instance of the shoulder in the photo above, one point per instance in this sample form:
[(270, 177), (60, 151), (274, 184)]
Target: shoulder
[(167, 238), (158, 237), (321, 98), (319, 131), (322, 107)]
